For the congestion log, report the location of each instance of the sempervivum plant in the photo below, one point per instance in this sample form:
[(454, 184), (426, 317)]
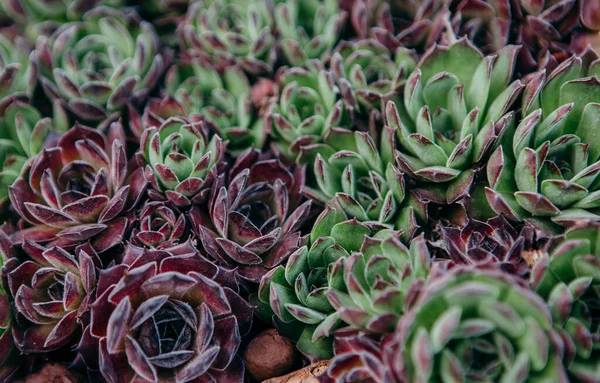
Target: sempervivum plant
[(372, 288), (53, 292), (100, 64), (255, 216), (473, 325), (294, 297), (9, 358), (567, 279), (495, 243), (182, 162), (78, 190), (220, 97), (367, 76), (24, 134), (352, 169), (227, 32), (307, 29), (455, 109), (309, 105), (160, 227), (18, 71), (166, 318), (549, 172)]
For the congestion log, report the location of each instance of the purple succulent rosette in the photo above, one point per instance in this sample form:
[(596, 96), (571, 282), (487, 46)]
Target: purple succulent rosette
[(78, 190), (169, 318), (255, 219), (10, 359), (52, 292)]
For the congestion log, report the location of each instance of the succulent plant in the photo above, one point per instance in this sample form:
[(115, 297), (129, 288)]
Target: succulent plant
[(223, 99), (550, 30), (367, 76), (371, 289), (455, 110), (53, 292), (352, 169), (100, 64), (474, 325), (160, 227), (9, 356), (307, 29), (254, 218), (78, 190), (494, 244), (548, 173), (42, 17), (309, 106), (18, 71), (227, 32), (24, 134), (294, 297), (166, 318), (182, 162), (568, 279)]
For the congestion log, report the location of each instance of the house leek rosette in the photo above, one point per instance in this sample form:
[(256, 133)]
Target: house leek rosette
[(100, 64), (227, 32), (549, 172), (53, 292), (24, 133), (367, 76), (494, 244), (18, 71), (182, 162), (220, 97), (568, 279), (42, 17), (254, 219), (9, 355), (160, 227), (372, 288), (475, 325), (294, 297), (161, 317), (307, 29), (309, 105), (455, 109), (78, 190), (352, 169)]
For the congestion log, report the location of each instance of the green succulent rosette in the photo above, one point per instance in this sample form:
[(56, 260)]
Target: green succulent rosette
[(371, 289), (309, 105), (547, 171), (43, 17), (294, 297), (456, 107), (23, 133), (100, 64), (222, 99), (182, 161), (18, 71), (476, 325), (361, 176), (307, 29), (228, 32), (569, 280), (368, 76)]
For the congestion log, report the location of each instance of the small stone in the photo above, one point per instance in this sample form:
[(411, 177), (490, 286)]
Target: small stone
[(53, 373), (269, 355)]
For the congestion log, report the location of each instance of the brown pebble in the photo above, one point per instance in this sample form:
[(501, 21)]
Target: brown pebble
[(269, 355)]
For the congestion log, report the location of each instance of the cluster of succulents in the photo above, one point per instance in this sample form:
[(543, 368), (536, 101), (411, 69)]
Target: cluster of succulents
[(409, 190)]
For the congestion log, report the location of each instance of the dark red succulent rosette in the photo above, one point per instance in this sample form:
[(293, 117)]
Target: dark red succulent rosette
[(161, 317), (494, 244), (78, 190), (52, 293), (10, 359), (254, 221), (159, 226)]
